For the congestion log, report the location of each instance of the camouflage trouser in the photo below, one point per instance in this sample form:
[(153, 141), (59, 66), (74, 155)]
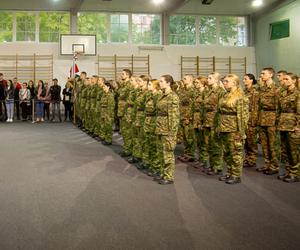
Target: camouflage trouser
[(97, 123), (138, 142), (126, 130), (84, 117), (270, 146), (188, 139), (291, 142), (233, 150), (180, 134), (150, 154), (106, 128), (213, 148), (165, 148), (251, 146), (199, 141)]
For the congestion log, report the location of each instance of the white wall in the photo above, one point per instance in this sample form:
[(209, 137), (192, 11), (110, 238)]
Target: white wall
[(283, 53), (161, 62)]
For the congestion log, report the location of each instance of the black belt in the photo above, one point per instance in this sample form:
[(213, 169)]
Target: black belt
[(228, 113), (103, 106), (268, 109), (211, 110), (130, 105), (290, 111), (162, 114), (150, 114), (141, 110)]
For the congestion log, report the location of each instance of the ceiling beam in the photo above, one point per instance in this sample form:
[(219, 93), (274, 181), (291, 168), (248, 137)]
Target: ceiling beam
[(76, 5)]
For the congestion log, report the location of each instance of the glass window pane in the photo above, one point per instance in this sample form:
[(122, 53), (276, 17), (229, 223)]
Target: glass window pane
[(228, 31), (146, 29), (52, 25), (119, 28), (182, 30), (6, 27), (208, 30), (25, 26), (94, 24)]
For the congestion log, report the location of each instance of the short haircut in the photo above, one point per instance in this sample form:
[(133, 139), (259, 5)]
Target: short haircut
[(1, 74), (270, 69), (128, 72), (83, 72), (168, 78), (282, 72)]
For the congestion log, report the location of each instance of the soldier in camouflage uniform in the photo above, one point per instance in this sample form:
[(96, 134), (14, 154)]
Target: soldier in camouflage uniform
[(123, 90), (150, 155), (83, 101), (97, 125), (251, 132), (79, 87), (233, 115), (288, 123), (107, 105), (129, 116), (211, 99), (139, 117), (167, 123), (267, 105), (186, 96), (93, 105), (198, 102)]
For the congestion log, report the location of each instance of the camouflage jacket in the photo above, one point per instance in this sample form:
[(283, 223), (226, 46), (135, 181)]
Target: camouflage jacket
[(122, 97), (83, 96), (289, 111), (233, 118), (186, 97), (93, 97), (198, 105), (210, 105), (150, 112), (253, 96), (267, 105), (130, 107), (99, 95), (168, 116), (140, 108), (107, 107)]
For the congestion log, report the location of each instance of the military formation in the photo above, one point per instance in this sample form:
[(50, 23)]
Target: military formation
[(218, 120)]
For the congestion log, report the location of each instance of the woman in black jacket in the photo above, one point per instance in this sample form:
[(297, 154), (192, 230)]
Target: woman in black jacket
[(9, 100), (67, 100)]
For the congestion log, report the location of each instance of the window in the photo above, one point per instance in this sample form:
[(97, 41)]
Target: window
[(25, 26), (208, 30), (6, 23), (52, 25), (119, 28), (232, 31), (182, 30), (146, 29), (94, 24)]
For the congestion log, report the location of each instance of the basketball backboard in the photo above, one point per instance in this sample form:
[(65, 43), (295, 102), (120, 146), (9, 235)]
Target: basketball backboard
[(83, 44)]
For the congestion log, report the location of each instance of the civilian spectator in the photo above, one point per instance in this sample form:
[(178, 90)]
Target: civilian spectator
[(31, 88), (9, 100), (67, 100), (3, 84), (55, 91), (40, 98), (24, 97), (17, 86), (47, 102)]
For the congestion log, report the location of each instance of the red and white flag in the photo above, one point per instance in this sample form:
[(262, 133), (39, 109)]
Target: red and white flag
[(73, 70)]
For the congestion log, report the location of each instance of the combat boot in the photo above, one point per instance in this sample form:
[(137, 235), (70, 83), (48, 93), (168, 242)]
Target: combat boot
[(291, 179), (233, 180)]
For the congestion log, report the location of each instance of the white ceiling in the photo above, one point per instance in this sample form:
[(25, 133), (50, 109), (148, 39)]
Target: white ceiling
[(222, 7)]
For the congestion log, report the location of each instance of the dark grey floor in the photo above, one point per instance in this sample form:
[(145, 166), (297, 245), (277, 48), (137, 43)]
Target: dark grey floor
[(60, 189)]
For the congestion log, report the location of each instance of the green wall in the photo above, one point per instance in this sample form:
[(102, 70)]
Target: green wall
[(283, 53)]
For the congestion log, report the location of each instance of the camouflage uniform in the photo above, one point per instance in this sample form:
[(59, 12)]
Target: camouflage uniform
[(97, 125), (186, 97), (139, 117), (198, 103), (167, 123), (150, 156), (93, 108), (122, 96), (107, 105), (251, 131), (214, 151), (231, 126), (267, 105), (288, 120), (77, 92), (127, 129), (83, 101)]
